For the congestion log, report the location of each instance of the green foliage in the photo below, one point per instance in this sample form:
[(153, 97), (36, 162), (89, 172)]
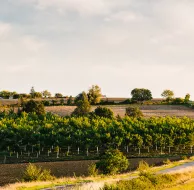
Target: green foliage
[(34, 173), (33, 106), (112, 162), (168, 94), (83, 105), (133, 112), (147, 182), (178, 101), (46, 94), (187, 98), (92, 170), (104, 112), (141, 94), (94, 94), (70, 101), (167, 162), (58, 95), (143, 167)]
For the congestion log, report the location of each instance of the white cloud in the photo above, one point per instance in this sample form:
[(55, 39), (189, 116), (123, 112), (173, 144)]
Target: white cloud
[(5, 28)]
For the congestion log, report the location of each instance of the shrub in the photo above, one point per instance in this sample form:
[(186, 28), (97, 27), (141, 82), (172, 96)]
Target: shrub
[(167, 161), (103, 112), (133, 112), (148, 182), (143, 168), (112, 162), (92, 170), (34, 173), (34, 106)]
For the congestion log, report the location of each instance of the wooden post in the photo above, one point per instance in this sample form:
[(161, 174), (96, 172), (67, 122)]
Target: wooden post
[(139, 151), (78, 150), (127, 149), (5, 158), (87, 152), (17, 154), (97, 150)]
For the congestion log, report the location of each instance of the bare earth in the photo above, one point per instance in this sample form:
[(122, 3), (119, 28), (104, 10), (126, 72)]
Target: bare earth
[(148, 110)]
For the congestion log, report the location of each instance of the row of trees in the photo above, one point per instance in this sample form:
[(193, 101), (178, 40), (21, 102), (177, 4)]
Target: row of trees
[(52, 130)]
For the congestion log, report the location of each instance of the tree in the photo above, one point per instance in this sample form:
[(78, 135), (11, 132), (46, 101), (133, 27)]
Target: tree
[(104, 112), (32, 92), (168, 94), (113, 162), (34, 106), (187, 98), (133, 112), (141, 94), (70, 100), (83, 105), (58, 95), (94, 94), (46, 94), (37, 95)]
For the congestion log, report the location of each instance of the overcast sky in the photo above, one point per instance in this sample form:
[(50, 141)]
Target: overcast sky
[(68, 45)]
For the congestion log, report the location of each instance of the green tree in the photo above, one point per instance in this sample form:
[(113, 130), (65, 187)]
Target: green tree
[(46, 94), (34, 106), (168, 94), (141, 94), (32, 92), (83, 105), (58, 95), (187, 98), (94, 94), (112, 162), (70, 100), (133, 112), (104, 112)]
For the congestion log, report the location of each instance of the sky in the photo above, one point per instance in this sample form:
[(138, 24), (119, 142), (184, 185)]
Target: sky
[(67, 46)]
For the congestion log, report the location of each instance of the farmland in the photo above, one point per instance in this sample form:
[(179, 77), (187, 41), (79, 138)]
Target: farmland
[(148, 110)]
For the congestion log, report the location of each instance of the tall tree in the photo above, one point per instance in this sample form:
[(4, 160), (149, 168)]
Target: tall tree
[(83, 105), (141, 94), (168, 94), (46, 94), (94, 94)]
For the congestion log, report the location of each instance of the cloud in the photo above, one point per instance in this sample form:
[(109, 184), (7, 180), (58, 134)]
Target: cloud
[(5, 28)]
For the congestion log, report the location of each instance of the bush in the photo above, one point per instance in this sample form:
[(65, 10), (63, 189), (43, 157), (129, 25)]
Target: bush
[(104, 112), (34, 106), (92, 170), (133, 112), (178, 101), (34, 173), (112, 162), (167, 161), (149, 182), (143, 168)]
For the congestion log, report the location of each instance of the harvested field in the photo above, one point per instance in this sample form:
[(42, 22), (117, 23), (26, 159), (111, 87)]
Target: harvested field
[(148, 110)]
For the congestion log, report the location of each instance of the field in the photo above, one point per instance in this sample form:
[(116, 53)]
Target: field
[(148, 110)]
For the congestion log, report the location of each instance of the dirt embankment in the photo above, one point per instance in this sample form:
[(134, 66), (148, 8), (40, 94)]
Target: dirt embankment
[(11, 173)]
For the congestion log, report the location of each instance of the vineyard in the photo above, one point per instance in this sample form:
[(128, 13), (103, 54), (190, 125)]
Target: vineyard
[(29, 137)]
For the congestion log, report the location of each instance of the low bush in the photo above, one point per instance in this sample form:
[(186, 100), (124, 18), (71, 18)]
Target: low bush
[(92, 170), (34, 173), (148, 182), (112, 162)]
